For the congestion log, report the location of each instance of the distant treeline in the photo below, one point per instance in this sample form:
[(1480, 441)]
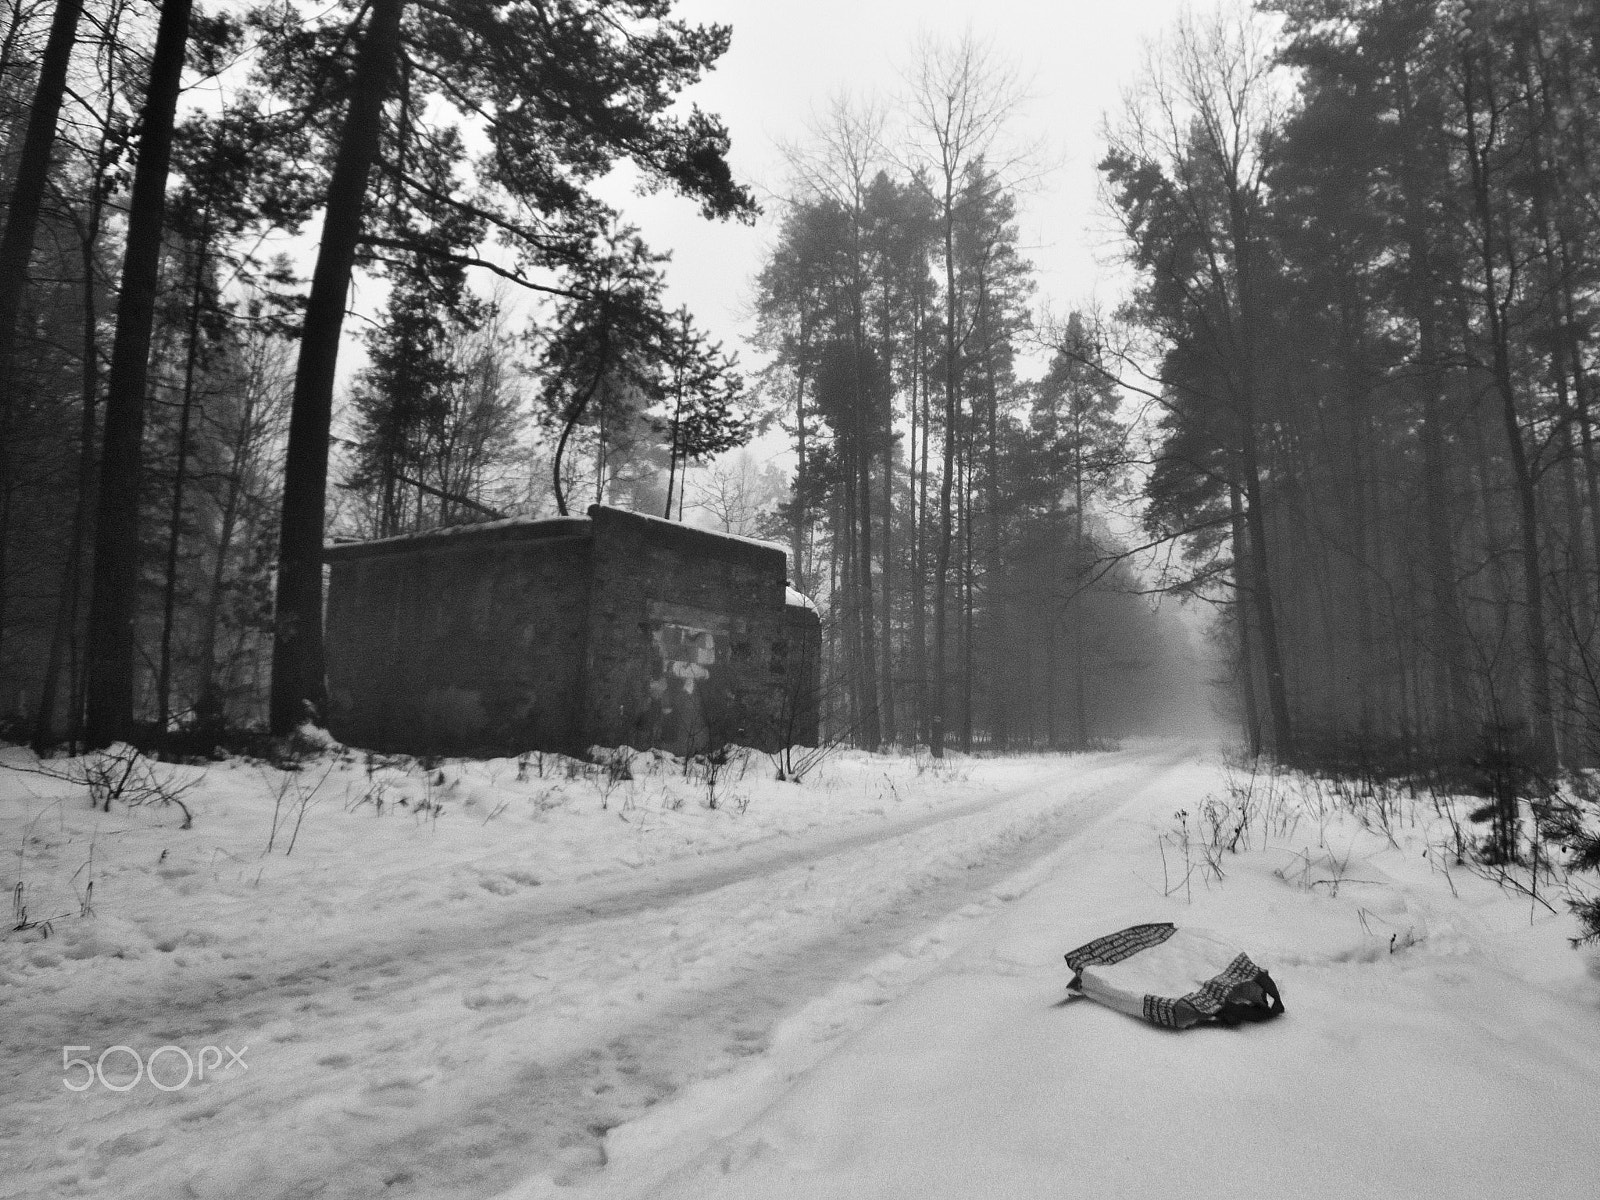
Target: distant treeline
[(950, 510)]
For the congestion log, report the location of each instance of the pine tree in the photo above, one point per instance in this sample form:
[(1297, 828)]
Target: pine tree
[(560, 101)]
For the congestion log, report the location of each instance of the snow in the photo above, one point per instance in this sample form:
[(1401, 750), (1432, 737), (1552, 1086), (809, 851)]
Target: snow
[(535, 979), (471, 529), (763, 543), (1465, 1062)]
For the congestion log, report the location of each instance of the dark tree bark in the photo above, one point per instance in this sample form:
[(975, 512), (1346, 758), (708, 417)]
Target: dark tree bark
[(887, 728), (22, 222), (802, 480), (1241, 605), (999, 697), (919, 598), (64, 635), (952, 402), (299, 688), (63, 654), (574, 416), (113, 605), (209, 701), (871, 730), (169, 600), (1496, 308)]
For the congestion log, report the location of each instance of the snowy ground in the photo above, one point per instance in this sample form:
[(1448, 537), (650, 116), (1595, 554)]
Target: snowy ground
[(850, 987)]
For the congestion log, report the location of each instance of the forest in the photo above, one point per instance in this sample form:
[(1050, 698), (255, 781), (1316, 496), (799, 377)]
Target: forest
[(180, 439), (273, 275), (1366, 253)]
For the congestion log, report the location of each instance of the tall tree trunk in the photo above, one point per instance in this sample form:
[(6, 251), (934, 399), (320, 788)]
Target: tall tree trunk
[(1266, 617), (967, 623), (886, 577), (1447, 630), (914, 501), (113, 606), (846, 613), (1496, 550), (952, 404), (210, 702), (574, 415), (919, 583), (298, 679), (16, 245), (1241, 607), (802, 480), (70, 601), (1366, 684), (1522, 474), (672, 449), (1249, 465), (64, 639), (1080, 664), (871, 728), (999, 697), (1576, 139), (169, 600), (1051, 681), (1557, 285), (599, 460)]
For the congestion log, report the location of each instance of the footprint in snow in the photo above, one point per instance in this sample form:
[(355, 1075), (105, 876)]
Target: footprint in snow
[(478, 1001)]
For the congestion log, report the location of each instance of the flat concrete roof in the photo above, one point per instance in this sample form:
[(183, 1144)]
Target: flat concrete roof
[(690, 538), (509, 529)]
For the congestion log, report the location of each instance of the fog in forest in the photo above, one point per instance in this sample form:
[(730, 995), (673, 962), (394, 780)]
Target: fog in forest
[(747, 598), (1280, 320)]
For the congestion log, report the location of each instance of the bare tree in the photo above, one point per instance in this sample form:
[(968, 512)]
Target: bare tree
[(737, 490)]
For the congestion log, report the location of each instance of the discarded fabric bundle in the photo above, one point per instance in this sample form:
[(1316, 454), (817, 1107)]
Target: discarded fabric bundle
[(1173, 977)]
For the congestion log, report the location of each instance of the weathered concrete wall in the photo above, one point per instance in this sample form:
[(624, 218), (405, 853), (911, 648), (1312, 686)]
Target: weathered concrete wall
[(801, 655), (471, 644), (568, 633), (687, 636)]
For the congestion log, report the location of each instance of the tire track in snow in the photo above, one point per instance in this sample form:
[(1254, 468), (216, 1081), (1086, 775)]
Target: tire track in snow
[(653, 985), (445, 944), (548, 1108)]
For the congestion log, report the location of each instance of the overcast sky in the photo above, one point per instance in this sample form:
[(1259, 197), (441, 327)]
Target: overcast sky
[(789, 57)]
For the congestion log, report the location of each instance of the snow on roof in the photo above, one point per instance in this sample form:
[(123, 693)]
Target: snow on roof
[(798, 599), (471, 529), (551, 525), (764, 543)]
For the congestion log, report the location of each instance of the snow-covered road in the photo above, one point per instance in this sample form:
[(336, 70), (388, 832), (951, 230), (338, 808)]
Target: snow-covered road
[(428, 1051), (564, 989)]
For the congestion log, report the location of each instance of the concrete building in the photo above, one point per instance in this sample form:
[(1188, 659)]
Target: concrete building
[(560, 634)]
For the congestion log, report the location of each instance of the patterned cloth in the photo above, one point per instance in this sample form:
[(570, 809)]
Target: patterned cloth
[(1115, 947), (1173, 978)]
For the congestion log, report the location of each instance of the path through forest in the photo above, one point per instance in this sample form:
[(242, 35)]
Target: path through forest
[(430, 1052)]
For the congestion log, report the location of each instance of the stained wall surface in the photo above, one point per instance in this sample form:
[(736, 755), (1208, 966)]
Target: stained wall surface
[(461, 645), (615, 629), (687, 636)]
